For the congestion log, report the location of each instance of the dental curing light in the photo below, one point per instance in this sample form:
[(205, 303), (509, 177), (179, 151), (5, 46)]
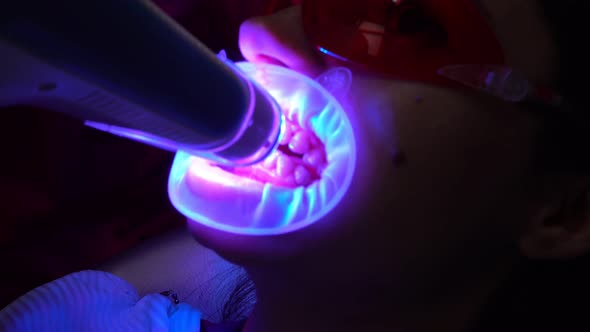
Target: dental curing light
[(272, 197), (124, 67)]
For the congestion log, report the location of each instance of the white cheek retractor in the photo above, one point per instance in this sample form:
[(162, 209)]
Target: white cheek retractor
[(221, 200)]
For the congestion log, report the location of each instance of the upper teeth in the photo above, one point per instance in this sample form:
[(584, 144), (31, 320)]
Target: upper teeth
[(300, 142), (314, 158), (293, 170)]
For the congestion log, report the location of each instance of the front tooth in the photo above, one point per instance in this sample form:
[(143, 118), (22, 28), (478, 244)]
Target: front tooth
[(300, 142), (314, 158), (286, 135), (302, 176), (285, 165)]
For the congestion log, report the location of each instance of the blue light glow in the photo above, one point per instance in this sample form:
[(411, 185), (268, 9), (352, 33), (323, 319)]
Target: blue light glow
[(228, 202), (332, 54), (135, 135)]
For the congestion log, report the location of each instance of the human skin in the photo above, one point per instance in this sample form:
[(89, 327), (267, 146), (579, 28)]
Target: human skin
[(421, 241)]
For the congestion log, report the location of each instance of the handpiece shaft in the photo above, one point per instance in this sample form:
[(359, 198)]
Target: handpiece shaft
[(125, 63)]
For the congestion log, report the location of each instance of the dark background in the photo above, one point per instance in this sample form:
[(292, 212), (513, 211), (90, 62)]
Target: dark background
[(72, 198)]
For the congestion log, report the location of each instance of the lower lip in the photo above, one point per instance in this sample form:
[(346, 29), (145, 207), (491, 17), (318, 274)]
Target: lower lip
[(255, 200)]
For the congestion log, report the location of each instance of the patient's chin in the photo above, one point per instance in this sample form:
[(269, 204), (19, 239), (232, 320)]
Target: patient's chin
[(248, 250), (239, 249)]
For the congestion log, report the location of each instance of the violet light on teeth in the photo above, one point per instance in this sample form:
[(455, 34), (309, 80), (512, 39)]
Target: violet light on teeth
[(303, 180)]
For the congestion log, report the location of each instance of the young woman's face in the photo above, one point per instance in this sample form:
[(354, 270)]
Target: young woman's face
[(441, 174)]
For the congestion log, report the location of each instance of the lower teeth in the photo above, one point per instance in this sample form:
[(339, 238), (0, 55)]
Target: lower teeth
[(299, 160)]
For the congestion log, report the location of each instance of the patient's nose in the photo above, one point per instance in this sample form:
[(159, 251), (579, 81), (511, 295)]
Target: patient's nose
[(280, 39)]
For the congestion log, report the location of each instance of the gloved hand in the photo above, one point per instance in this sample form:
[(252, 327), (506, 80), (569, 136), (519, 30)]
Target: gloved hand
[(94, 301)]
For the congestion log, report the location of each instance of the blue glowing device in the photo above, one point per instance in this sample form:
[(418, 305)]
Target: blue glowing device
[(212, 197), (124, 67)]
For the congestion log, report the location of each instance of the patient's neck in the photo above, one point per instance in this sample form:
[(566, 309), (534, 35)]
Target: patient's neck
[(289, 301)]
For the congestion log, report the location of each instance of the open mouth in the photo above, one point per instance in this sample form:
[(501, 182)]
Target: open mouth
[(299, 160), (303, 180)]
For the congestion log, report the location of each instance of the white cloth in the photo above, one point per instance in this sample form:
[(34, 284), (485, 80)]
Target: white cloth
[(95, 301)]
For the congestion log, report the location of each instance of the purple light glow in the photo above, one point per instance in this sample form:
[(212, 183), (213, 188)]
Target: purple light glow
[(221, 200)]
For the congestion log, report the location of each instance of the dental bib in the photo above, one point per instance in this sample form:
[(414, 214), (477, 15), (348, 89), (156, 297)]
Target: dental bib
[(223, 200), (96, 301)]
